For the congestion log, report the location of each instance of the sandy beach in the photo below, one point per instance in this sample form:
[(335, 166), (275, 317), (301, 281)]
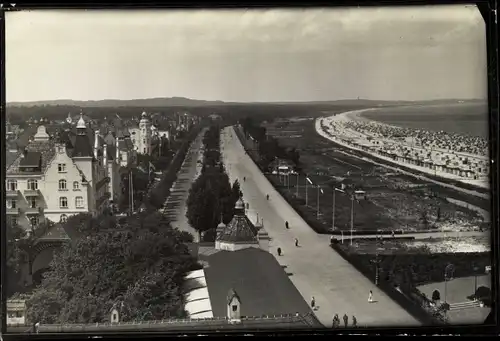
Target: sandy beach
[(336, 128)]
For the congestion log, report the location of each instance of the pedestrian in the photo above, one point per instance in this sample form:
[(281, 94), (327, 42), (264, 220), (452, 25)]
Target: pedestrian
[(296, 242), (354, 321), (279, 251), (370, 297), (313, 302), (286, 225), (37, 325), (346, 320), (337, 320), (392, 232)]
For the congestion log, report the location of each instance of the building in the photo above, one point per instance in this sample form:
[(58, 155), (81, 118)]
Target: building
[(142, 135), (16, 312), (53, 178)]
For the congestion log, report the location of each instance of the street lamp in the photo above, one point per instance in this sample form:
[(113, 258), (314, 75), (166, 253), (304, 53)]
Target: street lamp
[(333, 206), (476, 269), (352, 215), (307, 180), (297, 189), (448, 276), (376, 262), (317, 210)]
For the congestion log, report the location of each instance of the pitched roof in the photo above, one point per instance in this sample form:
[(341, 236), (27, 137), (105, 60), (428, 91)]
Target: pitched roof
[(31, 159), (46, 150), (239, 230), (261, 283)]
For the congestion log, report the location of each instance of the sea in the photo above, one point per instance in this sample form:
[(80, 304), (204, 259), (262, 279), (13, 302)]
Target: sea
[(461, 118)]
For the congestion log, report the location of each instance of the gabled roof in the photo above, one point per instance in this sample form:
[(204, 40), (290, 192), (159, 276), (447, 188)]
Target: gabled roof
[(232, 294), (46, 150)]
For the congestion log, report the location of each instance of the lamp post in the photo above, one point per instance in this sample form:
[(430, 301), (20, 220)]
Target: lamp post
[(376, 262), (297, 188), (317, 210), (307, 180), (448, 275), (333, 206), (352, 215), (476, 269)]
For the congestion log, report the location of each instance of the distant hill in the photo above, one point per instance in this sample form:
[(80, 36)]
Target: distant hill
[(148, 102), (187, 102)]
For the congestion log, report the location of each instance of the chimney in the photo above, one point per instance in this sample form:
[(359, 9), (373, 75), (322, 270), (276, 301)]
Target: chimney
[(96, 143)]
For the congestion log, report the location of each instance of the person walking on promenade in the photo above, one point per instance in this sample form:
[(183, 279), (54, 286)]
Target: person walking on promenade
[(286, 225), (279, 251), (392, 232), (354, 321), (336, 320), (370, 297), (313, 303), (346, 320), (296, 242)]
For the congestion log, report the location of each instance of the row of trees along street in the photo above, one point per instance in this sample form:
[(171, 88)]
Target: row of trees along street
[(136, 264), (143, 174), (268, 147), (211, 194)]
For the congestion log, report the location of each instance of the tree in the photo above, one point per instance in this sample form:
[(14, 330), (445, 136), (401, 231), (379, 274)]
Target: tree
[(436, 296), (142, 265)]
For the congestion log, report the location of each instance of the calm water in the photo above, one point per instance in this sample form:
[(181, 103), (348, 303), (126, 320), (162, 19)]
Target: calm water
[(465, 118)]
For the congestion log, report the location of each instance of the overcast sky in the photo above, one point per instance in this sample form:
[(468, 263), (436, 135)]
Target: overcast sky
[(247, 55)]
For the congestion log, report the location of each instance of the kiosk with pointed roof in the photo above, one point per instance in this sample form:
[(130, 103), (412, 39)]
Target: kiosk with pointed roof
[(240, 233)]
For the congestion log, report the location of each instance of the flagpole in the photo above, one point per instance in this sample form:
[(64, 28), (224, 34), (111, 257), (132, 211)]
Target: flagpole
[(333, 210), (306, 190), (352, 216), (317, 210)]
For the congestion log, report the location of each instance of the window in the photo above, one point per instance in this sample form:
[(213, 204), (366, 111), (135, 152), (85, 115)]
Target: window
[(32, 185), (62, 185), (61, 167), (64, 218), (34, 221), (12, 185), (11, 203), (63, 202), (13, 221), (79, 202), (76, 186), (143, 141), (31, 202), (144, 150), (235, 307), (115, 317)]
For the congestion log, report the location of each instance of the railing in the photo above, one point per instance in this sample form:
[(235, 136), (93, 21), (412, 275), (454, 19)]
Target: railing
[(12, 211)]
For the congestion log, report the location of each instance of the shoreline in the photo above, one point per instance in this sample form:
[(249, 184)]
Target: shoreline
[(347, 136)]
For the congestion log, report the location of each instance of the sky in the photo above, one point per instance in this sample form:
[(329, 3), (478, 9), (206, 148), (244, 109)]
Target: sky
[(253, 55)]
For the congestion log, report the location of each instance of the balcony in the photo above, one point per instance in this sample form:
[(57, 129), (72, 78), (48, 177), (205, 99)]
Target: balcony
[(13, 211), (31, 192), (12, 194), (33, 210)]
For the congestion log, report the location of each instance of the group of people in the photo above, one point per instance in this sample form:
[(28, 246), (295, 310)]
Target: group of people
[(438, 139), (336, 321)]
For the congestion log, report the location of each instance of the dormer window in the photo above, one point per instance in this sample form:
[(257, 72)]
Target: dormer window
[(235, 307)]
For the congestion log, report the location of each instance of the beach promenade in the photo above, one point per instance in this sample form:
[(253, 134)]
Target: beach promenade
[(336, 128), (314, 268)]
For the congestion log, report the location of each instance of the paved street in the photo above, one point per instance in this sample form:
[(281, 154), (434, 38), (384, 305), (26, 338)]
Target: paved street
[(316, 269), (175, 207)]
